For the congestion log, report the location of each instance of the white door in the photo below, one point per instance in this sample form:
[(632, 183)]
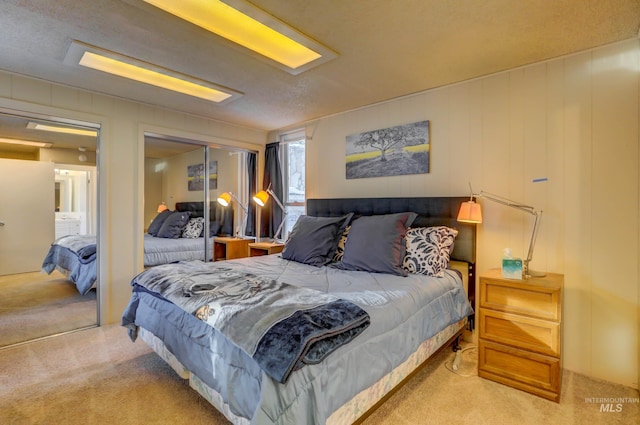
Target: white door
[(27, 213)]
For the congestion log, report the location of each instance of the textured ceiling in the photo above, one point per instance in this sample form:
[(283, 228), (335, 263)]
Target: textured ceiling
[(386, 48)]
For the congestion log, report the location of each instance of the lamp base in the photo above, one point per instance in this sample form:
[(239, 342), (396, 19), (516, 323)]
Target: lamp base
[(533, 273)]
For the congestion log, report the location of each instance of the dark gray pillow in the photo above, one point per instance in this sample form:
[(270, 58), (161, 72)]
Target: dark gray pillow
[(172, 226), (377, 244), (314, 240), (157, 222)]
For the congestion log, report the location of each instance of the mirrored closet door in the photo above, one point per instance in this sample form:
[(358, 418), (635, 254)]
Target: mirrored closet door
[(183, 175), (48, 189)]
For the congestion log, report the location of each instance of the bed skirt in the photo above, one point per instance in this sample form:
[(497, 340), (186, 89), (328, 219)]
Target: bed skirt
[(349, 412)]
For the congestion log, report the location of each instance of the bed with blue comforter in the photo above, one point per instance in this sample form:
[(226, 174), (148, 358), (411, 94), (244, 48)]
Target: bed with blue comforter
[(311, 336)]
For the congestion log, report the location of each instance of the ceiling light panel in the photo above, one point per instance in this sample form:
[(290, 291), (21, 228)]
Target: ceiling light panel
[(57, 129), (136, 70), (25, 143), (252, 28)]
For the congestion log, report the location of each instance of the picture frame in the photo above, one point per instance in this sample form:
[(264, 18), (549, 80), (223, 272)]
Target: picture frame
[(392, 151), (195, 176)]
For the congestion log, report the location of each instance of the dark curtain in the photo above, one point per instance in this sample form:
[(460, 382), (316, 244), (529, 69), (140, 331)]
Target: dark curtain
[(271, 216), (252, 170)]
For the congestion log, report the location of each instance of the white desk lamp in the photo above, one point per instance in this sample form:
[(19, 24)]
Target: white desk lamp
[(471, 212)]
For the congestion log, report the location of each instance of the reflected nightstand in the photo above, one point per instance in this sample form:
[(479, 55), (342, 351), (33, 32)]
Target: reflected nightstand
[(227, 248), (264, 248)]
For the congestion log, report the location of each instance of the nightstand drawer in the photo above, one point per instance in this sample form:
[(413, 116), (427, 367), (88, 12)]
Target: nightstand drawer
[(521, 297), (541, 336), (531, 372)]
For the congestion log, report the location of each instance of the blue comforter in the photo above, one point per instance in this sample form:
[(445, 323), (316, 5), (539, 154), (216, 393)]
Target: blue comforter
[(281, 326), (404, 311), (74, 256)]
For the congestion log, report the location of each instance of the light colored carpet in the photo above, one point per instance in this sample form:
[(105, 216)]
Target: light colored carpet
[(98, 376), (35, 305)]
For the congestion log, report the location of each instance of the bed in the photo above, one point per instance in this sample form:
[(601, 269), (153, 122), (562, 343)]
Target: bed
[(75, 255), (390, 318)]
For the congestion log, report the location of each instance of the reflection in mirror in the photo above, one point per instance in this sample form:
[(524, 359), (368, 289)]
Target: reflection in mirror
[(175, 178), (56, 196)]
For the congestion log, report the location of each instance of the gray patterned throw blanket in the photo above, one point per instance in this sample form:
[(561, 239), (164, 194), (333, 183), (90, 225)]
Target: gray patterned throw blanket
[(281, 326)]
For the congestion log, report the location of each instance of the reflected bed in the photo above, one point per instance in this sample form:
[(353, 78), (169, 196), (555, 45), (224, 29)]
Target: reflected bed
[(75, 255)]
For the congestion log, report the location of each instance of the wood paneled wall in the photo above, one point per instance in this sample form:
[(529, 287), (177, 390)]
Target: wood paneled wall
[(574, 121)]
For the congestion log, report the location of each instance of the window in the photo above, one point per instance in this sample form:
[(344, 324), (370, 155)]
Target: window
[(292, 159)]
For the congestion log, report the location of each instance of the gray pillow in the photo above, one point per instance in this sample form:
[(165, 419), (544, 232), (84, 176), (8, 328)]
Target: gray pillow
[(157, 222), (377, 244), (172, 226), (314, 240)]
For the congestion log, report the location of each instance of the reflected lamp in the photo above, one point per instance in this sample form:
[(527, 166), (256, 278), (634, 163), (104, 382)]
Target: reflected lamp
[(162, 207), (225, 199), (261, 199)]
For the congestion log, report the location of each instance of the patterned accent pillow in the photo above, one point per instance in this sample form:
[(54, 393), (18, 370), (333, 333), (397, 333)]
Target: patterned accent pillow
[(343, 240), (429, 250), (193, 228)]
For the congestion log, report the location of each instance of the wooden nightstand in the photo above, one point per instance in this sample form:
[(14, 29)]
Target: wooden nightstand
[(225, 248), (264, 248), (520, 332)]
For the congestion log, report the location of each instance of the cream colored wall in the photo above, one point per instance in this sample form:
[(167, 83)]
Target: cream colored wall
[(153, 196), (573, 120), (66, 156), (120, 165)]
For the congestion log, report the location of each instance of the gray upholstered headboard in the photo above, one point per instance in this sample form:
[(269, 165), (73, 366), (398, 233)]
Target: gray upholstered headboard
[(431, 212)]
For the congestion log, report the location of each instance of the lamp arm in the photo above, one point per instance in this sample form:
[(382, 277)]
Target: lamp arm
[(504, 201), (275, 198), (243, 206), (284, 212), (534, 234)]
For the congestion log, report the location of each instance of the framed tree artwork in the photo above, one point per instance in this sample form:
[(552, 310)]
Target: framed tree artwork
[(393, 151), (195, 176)]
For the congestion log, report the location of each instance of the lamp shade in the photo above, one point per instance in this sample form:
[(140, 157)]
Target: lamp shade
[(224, 199), (470, 212), (261, 198), (162, 207)]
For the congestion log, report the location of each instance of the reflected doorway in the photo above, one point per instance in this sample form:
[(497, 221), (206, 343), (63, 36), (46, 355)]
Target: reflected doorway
[(48, 188)]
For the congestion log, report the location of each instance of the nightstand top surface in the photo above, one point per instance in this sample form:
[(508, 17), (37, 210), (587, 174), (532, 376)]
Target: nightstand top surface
[(265, 244), (230, 239), (550, 279)]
